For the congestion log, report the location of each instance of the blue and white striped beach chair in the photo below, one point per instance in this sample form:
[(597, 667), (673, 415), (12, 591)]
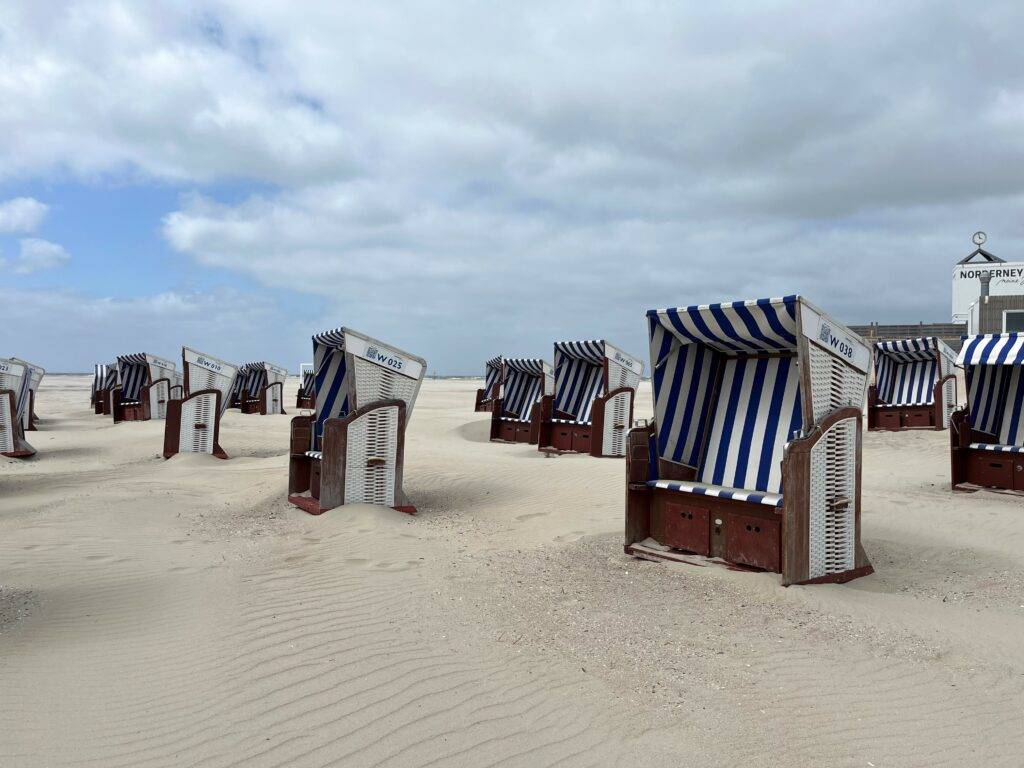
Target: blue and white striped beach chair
[(260, 388), (352, 449), (306, 397), (15, 380), (515, 413), (915, 385), (193, 422), (754, 452), (494, 377), (143, 389), (591, 408), (987, 437)]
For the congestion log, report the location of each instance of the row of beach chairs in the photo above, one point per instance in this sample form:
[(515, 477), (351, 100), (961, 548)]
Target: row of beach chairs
[(753, 455), (19, 382)]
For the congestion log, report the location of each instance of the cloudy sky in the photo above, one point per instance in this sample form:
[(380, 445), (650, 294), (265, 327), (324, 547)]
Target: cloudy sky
[(467, 179)]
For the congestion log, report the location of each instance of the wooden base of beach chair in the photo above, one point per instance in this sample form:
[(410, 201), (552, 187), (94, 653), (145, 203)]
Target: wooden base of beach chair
[(993, 466), (193, 425), (482, 403), (813, 537), (305, 402), (604, 437), (33, 420), (133, 411), (361, 461), (894, 418), (12, 436), (506, 429)]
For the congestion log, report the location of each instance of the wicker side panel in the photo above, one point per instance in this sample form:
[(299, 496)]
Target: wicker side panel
[(375, 383), (371, 457), (621, 376), (7, 418), (159, 394), (198, 418), (833, 501), (834, 384), (273, 398), (616, 424)]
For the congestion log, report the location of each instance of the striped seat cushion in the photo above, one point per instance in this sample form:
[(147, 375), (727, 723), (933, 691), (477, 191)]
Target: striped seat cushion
[(318, 455), (997, 447), (518, 421), (571, 421), (718, 491)]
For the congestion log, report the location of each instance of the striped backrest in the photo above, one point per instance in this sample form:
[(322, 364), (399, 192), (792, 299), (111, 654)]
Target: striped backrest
[(986, 394), (906, 371), (524, 385), (255, 380), (579, 377), (757, 411), (307, 384), (683, 379), (1011, 429)]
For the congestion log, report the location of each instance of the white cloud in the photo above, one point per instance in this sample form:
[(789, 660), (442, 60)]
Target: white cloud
[(505, 178), (21, 214), (36, 254)]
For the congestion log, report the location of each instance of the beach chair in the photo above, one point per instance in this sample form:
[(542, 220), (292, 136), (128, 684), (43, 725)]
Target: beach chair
[(352, 449), (515, 410), (754, 453), (262, 388), (306, 398), (36, 373), (237, 394), (99, 375), (177, 385), (193, 422), (106, 382), (144, 387), (15, 380), (987, 436), (915, 385), (494, 375), (591, 408)]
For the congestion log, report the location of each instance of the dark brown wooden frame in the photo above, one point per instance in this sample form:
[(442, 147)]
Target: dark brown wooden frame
[(325, 479), (973, 468), (172, 425)]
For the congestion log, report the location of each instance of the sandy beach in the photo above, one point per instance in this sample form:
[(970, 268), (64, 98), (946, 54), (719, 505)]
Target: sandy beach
[(182, 613)]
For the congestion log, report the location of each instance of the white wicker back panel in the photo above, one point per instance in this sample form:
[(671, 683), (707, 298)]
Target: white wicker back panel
[(273, 396), (621, 376), (200, 378), (198, 410), (159, 394), (616, 414), (834, 384), (948, 391), (549, 384), (374, 383), (6, 425), (833, 478), (373, 435)]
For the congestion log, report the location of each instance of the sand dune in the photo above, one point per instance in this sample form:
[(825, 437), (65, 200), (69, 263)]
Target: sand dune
[(180, 613)]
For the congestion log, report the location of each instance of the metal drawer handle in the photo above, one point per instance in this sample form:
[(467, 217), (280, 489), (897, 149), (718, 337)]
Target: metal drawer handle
[(840, 504), (200, 426), (376, 461)]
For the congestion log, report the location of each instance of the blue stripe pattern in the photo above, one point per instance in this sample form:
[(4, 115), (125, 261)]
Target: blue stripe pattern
[(330, 381), (579, 377), (492, 376), (757, 413), (995, 389), (524, 385), (906, 371), (134, 373), (739, 327), (1011, 430)]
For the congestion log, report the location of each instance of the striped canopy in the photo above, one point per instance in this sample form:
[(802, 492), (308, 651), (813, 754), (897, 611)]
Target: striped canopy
[(524, 386), (739, 327), (992, 349), (907, 370), (995, 386)]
